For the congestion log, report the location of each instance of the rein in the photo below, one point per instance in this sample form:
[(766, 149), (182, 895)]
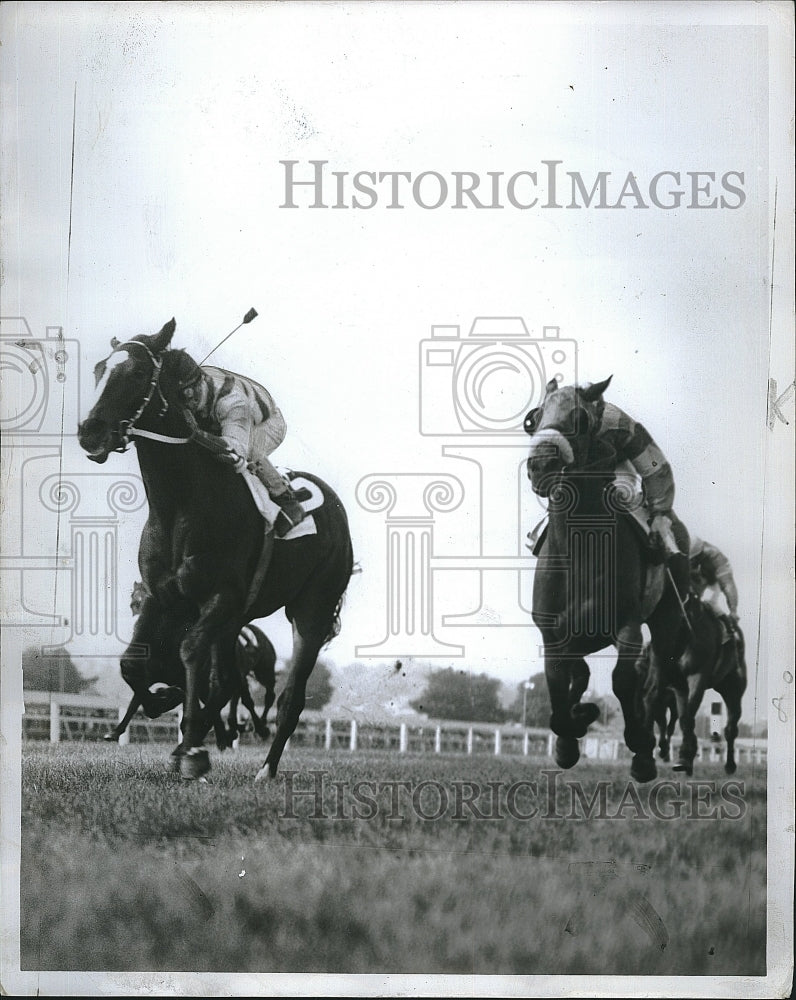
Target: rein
[(163, 438)]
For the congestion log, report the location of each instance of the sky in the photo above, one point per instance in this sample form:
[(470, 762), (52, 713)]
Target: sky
[(146, 182)]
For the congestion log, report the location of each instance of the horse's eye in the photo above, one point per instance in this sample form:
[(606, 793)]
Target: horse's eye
[(532, 420)]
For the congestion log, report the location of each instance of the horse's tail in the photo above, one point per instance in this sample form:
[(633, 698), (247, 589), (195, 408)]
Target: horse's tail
[(336, 625)]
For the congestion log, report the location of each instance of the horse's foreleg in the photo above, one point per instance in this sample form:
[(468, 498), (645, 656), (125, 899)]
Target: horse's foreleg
[(200, 658), (628, 687), (306, 647), (567, 678), (116, 732), (689, 698), (248, 703), (660, 722), (270, 696), (232, 718)]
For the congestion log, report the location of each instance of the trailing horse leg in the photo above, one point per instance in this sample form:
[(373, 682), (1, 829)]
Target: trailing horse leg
[(270, 695), (688, 702), (306, 647), (248, 703), (232, 719), (663, 739), (627, 685), (731, 692)]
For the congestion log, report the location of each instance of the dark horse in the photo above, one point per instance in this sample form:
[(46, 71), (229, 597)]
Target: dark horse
[(199, 554), (714, 657), (591, 582), (254, 656)]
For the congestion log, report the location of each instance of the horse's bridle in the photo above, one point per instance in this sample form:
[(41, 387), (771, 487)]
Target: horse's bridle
[(127, 428)]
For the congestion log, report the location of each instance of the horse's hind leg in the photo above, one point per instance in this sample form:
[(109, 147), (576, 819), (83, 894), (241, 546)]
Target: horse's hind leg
[(307, 644), (731, 691), (627, 684)]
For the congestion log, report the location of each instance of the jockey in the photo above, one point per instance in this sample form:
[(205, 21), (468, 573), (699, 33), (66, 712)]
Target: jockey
[(242, 425), (710, 568), (639, 455)]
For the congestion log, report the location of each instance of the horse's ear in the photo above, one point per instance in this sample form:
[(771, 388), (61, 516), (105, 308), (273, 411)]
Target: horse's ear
[(161, 340), (591, 393), (551, 386)]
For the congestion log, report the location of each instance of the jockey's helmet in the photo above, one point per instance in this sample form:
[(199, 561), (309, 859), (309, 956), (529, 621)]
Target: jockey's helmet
[(190, 375)]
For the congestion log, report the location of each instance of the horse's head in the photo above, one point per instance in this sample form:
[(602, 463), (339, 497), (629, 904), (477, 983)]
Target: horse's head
[(562, 430), (144, 389)]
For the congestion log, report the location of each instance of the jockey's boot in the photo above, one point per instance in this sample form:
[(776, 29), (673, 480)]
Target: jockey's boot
[(728, 633), (290, 514)]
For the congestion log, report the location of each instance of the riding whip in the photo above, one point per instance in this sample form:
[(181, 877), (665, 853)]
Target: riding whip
[(246, 319), (680, 601)]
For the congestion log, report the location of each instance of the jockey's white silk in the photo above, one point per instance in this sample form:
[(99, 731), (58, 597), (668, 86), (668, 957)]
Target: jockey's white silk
[(544, 438)]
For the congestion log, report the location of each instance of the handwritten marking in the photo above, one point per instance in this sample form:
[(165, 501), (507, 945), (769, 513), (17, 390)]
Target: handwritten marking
[(776, 403)]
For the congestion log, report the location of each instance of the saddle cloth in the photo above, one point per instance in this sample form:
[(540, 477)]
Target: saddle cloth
[(269, 511)]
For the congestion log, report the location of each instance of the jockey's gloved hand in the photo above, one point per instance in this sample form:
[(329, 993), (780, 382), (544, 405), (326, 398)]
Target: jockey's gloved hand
[(661, 532), (190, 420), (232, 458)]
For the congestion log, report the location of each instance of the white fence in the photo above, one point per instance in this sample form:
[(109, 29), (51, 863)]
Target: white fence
[(57, 717)]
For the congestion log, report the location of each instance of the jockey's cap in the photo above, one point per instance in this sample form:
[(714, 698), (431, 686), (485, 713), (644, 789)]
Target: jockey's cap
[(188, 371)]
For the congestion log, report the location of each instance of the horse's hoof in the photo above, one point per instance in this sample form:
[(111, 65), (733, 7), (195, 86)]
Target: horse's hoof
[(730, 767), (111, 737), (684, 765), (194, 763), (264, 774), (642, 768), (567, 752)]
